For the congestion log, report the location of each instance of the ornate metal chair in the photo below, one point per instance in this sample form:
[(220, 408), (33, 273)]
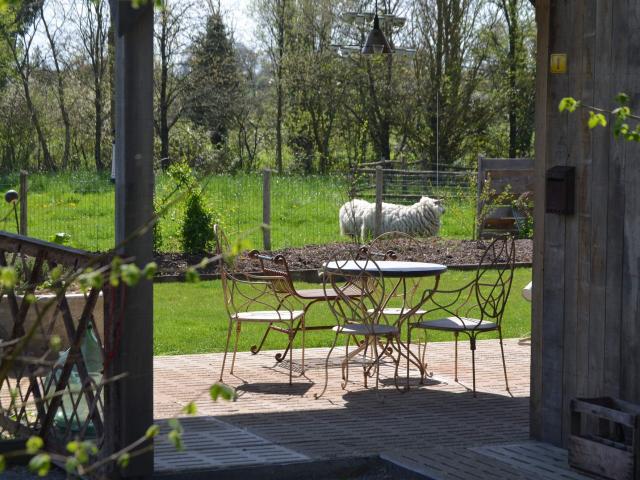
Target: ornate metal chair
[(276, 267), (476, 308), (253, 298), (360, 315)]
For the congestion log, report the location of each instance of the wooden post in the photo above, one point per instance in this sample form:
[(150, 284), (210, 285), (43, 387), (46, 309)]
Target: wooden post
[(379, 191), (24, 190), (129, 401), (266, 208)]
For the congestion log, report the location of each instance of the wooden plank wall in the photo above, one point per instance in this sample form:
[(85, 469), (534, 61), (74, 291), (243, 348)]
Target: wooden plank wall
[(586, 297)]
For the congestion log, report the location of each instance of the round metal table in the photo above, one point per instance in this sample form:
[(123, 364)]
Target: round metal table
[(400, 270), (386, 268)]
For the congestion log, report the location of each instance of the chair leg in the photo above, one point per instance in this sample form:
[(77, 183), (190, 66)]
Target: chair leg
[(408, 352), (235, 346), (226, 348), (423, 362), (455, 334), (472, 342), (291, 334), (326, 370), (303, 341), (504, 363)]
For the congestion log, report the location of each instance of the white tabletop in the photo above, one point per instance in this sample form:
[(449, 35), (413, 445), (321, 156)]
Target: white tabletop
[(388, 268)]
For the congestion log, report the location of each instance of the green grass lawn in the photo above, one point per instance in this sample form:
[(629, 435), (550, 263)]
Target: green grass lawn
[(190, 318), (304, 209)]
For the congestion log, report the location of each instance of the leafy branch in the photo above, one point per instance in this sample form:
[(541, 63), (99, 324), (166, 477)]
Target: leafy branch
[(622, 116)]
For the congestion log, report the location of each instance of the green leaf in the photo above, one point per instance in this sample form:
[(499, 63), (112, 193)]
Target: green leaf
[(56, 273), (8, 277), (597, 119), (3, 463), (152, 431), (30, 298), (191, 275), (73, 446), (123, 460), (175, 437), (622, 98), (40, 464), (90, 447), (150, 270), (34, 444), (174, 423), (131, 274), (114, 273), (190, 409), (622, 112), (220, 390), (71, 465), (82, 455), (55, 343), (569, 104)]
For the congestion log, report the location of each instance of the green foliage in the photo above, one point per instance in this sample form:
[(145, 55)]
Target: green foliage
[(214, 81), (197, 228), (40, 464), (598, 117), (196, 231)]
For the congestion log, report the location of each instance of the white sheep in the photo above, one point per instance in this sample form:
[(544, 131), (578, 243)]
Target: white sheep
[(357, 218)]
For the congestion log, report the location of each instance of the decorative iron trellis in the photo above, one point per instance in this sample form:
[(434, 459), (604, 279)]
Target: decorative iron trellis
[(42, 392)]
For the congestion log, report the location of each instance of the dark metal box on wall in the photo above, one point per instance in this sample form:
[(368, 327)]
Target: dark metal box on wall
[(560, 197), (605, 438)]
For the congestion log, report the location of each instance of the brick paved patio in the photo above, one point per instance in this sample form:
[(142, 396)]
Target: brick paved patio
[(274, 423)]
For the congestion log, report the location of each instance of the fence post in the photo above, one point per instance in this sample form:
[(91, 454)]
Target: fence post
[(266, 208), (379, 190), (24, 189)]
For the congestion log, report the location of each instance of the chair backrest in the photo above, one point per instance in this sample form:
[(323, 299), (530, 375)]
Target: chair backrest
[(275, 267), (344, 275), (394, 246), (494, 277), (246, 292), (398, 246)]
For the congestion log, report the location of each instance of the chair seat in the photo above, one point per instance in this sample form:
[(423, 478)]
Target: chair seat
[(362, 329), (398, 311), (268, 316), (455, 324), (329, 294)]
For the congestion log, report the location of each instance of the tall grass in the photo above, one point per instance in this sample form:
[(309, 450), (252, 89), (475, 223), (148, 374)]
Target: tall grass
[(304, 210)]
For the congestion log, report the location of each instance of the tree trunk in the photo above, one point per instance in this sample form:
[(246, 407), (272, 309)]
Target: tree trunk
[(97, 148), (60, 90), (163, 104), (279, 90)]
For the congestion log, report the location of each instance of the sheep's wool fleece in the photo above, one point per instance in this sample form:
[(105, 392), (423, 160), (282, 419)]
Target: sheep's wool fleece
[(357, 218)]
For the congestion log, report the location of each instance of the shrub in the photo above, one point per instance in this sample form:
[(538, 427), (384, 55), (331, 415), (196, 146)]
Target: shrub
[(197, 228)]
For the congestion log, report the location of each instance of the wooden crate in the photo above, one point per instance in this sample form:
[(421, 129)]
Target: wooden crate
[(605, 438)]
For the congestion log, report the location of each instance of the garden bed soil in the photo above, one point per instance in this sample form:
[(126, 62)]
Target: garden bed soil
[(452, 253)]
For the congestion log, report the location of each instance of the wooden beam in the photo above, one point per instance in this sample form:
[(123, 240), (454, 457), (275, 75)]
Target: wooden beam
[(129, 407)]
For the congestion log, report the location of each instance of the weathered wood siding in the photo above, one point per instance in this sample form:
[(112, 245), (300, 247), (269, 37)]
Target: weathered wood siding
[(586, 311)]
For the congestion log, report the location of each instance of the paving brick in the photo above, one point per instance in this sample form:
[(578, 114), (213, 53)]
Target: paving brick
[(439, 427)]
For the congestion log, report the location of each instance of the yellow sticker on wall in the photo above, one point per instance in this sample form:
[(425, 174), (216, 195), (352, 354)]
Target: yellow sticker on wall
[(558, 63)]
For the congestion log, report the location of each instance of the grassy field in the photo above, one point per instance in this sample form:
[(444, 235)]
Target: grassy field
[(304, 209), (190, 318)]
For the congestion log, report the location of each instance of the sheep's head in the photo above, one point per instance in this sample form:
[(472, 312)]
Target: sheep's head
[(435, 203)]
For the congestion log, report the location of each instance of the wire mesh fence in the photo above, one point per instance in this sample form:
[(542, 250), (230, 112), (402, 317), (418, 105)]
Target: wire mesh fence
[(304, 209)]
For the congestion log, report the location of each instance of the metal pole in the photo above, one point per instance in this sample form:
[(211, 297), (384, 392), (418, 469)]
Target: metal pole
[(24, 190), (129, 402), (266, 209), (379, 189)]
